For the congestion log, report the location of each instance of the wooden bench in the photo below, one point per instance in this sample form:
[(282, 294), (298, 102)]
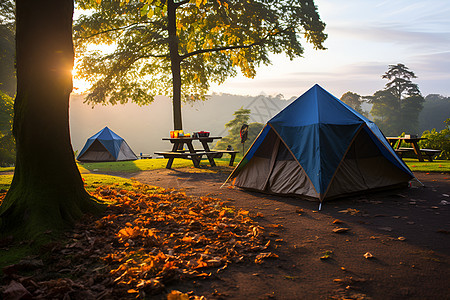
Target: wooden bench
[(195, 157), (430, 153), (400, 151), (232, 155)]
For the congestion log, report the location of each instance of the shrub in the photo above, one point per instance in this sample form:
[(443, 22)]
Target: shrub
[(438, 140)]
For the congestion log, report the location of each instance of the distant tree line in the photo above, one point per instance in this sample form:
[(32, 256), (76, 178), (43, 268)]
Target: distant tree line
[(397, 108), (436, 109)]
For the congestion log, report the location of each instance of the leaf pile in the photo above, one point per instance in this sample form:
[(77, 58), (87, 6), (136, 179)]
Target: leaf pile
[(148, 238)]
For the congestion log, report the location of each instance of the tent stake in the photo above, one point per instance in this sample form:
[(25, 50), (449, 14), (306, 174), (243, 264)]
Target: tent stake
[(320, 206)]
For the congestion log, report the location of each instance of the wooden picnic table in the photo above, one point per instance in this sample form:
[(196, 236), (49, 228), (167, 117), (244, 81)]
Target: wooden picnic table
[(179, 151), (415, 147)]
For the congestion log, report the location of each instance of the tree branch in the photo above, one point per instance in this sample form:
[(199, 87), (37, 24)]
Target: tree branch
[(178, 4), (113, 29), (155, 56), (219, 49), (261, 41)]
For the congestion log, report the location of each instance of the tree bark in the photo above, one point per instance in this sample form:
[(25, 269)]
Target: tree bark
[(175, 64), (47, 191)]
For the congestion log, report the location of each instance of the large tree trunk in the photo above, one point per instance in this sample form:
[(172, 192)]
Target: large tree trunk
[(175, 64), (47, 191)]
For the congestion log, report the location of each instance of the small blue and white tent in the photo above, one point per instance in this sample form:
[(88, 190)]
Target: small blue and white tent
[(320, 148), (105, 145)]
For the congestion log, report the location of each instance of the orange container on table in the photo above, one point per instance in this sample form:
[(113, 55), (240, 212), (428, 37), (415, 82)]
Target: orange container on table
[(172, 134)]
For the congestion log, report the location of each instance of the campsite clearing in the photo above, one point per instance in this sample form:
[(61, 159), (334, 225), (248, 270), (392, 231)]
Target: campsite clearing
[(405, 231)]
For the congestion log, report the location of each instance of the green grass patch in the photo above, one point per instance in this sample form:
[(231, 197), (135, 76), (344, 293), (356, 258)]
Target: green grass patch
[(6, 169), (142, 165), (92, 181), (441, 166), (5, 181)]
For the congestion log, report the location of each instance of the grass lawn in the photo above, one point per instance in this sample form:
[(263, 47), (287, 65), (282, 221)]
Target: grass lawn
[(6, 169), (92, 181), (153, 164), (143, 165), (441, 166)]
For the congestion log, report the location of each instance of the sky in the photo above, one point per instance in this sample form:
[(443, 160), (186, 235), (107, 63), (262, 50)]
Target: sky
[(364, 37)]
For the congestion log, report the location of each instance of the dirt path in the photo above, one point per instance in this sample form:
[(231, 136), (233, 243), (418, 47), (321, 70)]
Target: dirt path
[(406, 231)]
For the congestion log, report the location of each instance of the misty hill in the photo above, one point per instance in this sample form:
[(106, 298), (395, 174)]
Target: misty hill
[(143, 127)]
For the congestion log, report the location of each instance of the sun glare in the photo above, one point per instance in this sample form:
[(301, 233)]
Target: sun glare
[(80, 86)]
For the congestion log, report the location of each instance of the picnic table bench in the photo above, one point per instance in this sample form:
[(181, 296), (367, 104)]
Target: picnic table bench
[(430, 153), (195, 155), (144, 156), (396, 142), (232, 154)]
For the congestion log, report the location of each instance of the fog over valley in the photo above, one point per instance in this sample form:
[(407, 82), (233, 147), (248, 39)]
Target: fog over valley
[(143, 127)]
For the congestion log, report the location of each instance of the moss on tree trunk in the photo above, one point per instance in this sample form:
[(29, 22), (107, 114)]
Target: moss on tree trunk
[(47, 191)]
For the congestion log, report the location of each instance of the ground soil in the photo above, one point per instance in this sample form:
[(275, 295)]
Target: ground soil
[(406, 231)]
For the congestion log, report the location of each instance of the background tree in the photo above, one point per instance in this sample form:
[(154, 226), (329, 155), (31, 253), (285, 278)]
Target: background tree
[(178, 47), (7, 145), (7, 82), (354, 101), (7, 48), (438, 140), (47, 192), (241, 116), (7, 11), (396, 109), (385, 112)]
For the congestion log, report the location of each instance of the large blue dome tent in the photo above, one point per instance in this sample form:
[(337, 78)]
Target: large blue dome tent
[(320, 148), (106, 145)]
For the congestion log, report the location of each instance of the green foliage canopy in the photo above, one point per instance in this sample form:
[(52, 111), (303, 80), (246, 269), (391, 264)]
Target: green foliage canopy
[(354, 101), (438, 140), (7, 145), (397, 107), (160, 46), (7, 12), (241, 116), (7, 47), (399, 81)]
